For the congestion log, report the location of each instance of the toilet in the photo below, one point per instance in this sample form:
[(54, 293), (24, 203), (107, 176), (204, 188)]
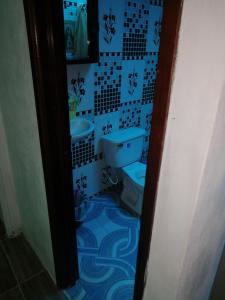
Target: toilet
[(122, 151)]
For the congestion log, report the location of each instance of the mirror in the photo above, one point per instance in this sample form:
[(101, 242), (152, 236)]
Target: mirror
[(81, 30)]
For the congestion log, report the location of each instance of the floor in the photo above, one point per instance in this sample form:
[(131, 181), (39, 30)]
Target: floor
[(107, 251), (218, 289), (22, 276)]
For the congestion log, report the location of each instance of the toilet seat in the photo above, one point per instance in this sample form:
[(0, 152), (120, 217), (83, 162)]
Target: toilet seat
[(136, 172)]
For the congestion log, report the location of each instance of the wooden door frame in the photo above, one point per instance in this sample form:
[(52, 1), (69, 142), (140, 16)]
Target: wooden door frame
[(44, 19), (46, 43)]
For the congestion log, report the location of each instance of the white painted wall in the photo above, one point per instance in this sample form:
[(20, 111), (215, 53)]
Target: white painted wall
[(17, 104), (207, 233), (9, 210), (189, 225)]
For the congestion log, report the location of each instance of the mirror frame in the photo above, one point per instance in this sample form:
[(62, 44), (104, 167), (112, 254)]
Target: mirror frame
[(93, 34)]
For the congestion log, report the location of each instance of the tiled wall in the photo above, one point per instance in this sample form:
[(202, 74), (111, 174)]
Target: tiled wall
[(117, 92)]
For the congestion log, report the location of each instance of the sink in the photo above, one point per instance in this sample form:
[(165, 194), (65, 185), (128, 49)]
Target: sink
[(80, 128)]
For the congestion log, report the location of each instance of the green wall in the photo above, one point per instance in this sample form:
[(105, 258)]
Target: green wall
[(18, 109)]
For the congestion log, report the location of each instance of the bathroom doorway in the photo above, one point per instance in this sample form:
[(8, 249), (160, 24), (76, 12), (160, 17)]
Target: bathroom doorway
[(96, 185), (110, 108)]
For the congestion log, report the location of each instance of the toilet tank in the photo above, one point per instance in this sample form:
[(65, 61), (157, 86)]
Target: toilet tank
[(123, 147)]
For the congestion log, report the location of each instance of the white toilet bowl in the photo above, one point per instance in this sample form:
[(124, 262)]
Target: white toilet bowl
[(134, 182), (122, 151)]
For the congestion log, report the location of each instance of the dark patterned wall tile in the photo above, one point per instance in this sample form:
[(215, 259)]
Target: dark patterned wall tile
[(118, 92), (130, 114), (150, 70), (156, 2), (69, 3), (88, 114), (135, 29), (107, 82), (83, 151)]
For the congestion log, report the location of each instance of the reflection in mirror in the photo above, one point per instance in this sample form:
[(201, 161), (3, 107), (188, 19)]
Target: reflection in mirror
[(75, 29)]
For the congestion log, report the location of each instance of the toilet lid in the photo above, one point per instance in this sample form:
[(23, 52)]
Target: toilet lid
[(136, 172)]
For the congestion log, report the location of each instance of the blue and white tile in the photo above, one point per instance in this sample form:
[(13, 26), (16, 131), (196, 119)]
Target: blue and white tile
[(80, 80), (111, 17), (69, 10), (146, 116), (132, 80), (107, 83), (144, 156), (155, 2), (154, 28), (151, 61), (135, 29), (150, 72), (77, 292), (146, 119), (81, 180), (130, 114), (107, 252), (89, 179), (97, 178), (105, 124), (83, 150)]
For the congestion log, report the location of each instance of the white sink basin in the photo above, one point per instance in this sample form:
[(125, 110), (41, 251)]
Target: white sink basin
[(80, 128)]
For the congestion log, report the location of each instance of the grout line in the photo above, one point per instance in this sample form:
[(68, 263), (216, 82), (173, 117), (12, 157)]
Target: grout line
[(26, 280), (21, 291), (9, 261), (13, 270), (33, 276), (10, 289)]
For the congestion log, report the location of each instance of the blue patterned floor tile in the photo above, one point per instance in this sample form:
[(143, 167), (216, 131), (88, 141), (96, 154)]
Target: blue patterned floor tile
[(121, 290), (107, 251), (76, 293)]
